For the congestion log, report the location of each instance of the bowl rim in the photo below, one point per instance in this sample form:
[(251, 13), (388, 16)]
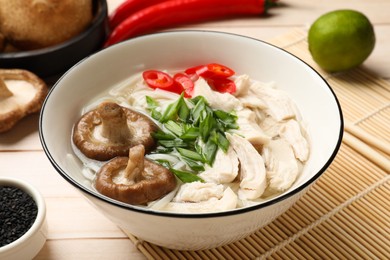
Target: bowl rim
[(195, 215), (39, 219), (99, 17)]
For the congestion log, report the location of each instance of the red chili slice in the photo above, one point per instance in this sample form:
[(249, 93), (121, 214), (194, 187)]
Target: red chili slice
[(222, 85), (186, 83), (196, 70), (214, 70), (158, 79)]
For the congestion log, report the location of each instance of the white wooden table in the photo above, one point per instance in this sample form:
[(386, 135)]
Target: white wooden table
[(76, 229)]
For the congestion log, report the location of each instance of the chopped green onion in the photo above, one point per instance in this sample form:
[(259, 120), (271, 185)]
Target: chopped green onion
[(155, 114), (160, 135), (206, 125), (174, 128), (165, 163), (194, 165), (198, 146), (152, 106), (210, 151), (190, 154), (222, 142), (195, 132), (190, 134), (213, 136), (152, 103), (196, 99), (161, 149), (225, 116), (186, 177), (232, 126), (197, 111), (184, 111), (173, 143), (171, 111)]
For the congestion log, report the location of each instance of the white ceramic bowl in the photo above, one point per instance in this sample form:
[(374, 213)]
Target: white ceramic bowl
[(29, 244), (171, 50)]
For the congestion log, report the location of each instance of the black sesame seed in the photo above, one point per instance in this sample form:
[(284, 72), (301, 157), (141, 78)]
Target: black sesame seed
[(18, 212)]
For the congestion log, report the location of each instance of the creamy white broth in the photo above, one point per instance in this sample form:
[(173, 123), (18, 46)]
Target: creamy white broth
[(270, 125)]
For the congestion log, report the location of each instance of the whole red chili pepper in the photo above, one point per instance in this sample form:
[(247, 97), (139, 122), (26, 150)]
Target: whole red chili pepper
[(127, 8), (177, 12)]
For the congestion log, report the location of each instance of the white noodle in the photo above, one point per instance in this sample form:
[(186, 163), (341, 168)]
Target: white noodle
[(162, 156), (88, 173), (161, 203), (96, 103)]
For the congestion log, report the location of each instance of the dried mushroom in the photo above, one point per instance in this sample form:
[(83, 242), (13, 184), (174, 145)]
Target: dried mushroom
[(134, 179), (110, 130), (2, 42), (21, 93), (34, 24)]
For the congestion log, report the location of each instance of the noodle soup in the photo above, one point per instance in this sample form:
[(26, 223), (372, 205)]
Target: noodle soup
[(229, 143)]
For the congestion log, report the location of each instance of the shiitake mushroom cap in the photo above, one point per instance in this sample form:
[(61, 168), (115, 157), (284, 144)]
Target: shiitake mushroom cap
[(14, 106), (154, 182), (140, 127)]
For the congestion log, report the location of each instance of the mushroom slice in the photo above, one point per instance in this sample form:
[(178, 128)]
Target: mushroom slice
[(134, 179), (110, 131), (21, 93)]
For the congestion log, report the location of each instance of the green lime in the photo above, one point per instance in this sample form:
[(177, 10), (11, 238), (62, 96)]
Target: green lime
[(341, 40)]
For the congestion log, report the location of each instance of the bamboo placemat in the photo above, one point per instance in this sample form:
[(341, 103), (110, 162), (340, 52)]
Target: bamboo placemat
[(345, 214)]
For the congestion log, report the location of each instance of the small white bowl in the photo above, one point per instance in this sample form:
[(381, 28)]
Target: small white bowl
[(182, 49), (28, 245)]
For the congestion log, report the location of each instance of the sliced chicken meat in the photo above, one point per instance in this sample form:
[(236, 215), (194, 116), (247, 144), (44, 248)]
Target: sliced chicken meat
[(225, 168), (291, 132), (270, 126), (279, 104), (198, 191), (243, 84), (225, 201), (246, 93), (281, 165), (222, 101), (252, 168), (251, 101), (250, 129)]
